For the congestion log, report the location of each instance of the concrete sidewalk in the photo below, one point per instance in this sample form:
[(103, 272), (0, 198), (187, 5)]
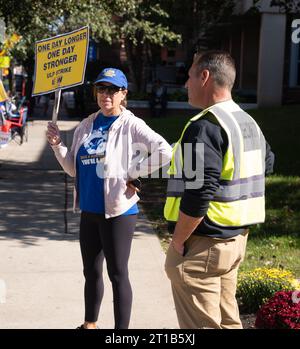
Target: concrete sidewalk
[(40, 261)]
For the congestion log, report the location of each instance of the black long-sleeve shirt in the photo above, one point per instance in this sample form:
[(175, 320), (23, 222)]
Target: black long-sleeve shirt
[(195, 202)]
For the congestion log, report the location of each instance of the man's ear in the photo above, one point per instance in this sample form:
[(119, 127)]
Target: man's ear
[(204, 76)]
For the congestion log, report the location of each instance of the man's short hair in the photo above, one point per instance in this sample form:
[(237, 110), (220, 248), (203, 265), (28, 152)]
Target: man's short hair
[(220, 64)]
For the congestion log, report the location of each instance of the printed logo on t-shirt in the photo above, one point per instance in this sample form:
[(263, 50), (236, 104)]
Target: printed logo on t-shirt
[(96, 143), (95, 147)]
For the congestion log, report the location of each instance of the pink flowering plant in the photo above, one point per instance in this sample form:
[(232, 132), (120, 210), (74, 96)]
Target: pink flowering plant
[(282, 311)]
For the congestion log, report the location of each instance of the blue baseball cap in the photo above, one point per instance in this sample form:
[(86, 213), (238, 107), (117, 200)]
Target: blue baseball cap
[(114, 76)]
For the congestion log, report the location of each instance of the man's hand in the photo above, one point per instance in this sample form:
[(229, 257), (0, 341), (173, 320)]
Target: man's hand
[(183, 230), (178, 247)]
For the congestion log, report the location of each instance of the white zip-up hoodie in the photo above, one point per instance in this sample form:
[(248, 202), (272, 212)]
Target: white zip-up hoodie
[(130, 141)]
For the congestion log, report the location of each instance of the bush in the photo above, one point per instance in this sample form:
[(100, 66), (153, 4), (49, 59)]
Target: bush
[(256, 287), (282, 311)]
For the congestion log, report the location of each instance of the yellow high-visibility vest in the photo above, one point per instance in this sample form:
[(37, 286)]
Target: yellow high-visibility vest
[(240, 199)]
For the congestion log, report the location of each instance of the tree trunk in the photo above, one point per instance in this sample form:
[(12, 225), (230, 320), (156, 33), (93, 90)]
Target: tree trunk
[(142, 67), (130, 60), (136, 57)]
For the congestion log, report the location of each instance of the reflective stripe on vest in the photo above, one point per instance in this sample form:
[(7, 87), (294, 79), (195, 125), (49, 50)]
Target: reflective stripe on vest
[(175, 187), (240, 189), (239, 200)]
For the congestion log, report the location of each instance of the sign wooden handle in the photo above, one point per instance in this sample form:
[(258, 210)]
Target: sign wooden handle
[(56, 106)]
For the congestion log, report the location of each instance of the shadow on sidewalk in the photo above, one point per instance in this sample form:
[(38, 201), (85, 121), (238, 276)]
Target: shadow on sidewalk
[(33, 195), (32, 206)]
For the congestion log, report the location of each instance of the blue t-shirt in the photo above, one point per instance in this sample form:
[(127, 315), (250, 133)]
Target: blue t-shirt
[(90, 161)]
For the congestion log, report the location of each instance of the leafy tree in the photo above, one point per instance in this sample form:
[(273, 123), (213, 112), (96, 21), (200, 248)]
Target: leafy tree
[(36, 20), (196, 19), (142, 24), (136, 22), (21, 18)]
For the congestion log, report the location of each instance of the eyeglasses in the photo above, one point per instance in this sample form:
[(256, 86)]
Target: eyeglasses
[(110, 90)]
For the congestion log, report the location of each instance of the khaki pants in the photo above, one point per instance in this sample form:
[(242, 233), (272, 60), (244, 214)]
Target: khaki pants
[(204, 281)]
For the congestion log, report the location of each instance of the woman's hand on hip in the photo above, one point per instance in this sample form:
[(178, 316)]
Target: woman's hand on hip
[(134, 184)]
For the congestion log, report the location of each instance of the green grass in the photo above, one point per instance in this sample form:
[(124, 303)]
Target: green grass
[(283, 207), (281, 252), (170, 127), (281, 127), (276, 243)]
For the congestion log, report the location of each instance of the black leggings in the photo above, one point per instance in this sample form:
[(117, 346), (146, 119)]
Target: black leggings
[(110, 238)]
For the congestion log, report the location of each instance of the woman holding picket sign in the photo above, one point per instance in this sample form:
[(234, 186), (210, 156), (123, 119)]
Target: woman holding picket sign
[(110, 151)]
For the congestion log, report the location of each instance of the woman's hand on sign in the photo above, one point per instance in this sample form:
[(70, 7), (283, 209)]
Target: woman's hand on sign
[(53, 134)]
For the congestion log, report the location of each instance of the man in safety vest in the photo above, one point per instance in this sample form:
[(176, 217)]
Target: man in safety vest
[(216, 191)]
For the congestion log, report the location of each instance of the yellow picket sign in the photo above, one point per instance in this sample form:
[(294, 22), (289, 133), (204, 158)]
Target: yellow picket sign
[(60, 61), (3, 95), (4, 62)]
